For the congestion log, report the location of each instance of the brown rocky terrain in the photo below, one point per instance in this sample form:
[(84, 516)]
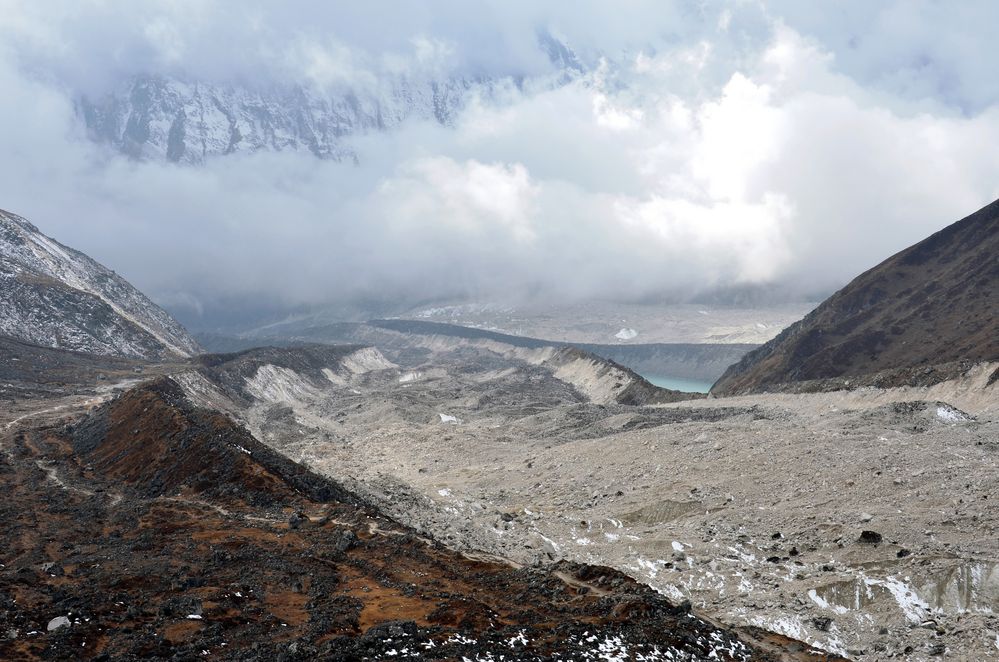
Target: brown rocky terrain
[(287, 503), (28, 370), (147, 528), (483, 450), (922, 316)]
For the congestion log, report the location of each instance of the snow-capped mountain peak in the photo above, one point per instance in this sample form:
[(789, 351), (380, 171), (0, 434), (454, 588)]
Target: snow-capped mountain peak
[(188, 121)]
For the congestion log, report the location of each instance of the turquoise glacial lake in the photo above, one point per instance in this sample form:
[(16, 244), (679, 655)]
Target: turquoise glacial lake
[(680, 384)]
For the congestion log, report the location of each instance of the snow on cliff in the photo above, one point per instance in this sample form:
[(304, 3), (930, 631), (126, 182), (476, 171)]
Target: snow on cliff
[(54, 296), (189, 121)]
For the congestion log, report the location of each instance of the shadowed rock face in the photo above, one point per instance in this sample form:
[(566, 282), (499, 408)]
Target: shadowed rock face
[(54, 296), (928, 310), (151, 528)]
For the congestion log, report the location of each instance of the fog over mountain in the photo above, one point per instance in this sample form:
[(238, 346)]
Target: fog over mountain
[(267, 157)]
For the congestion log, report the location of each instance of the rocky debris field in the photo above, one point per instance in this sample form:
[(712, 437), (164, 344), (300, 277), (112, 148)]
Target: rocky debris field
[(863, 522), (697, 361), (146, 528)]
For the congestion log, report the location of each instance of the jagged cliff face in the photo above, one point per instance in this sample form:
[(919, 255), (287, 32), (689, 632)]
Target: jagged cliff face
[(54, 296), (913, 319), (158, 118), (189, 121)]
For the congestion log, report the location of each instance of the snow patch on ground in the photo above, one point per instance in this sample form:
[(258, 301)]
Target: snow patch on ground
[(950, 415), (789, 626), (626, 334), (824, 604), (908, 601)]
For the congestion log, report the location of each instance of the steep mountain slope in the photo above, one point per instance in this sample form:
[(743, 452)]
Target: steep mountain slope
[(188, 121), (916, 317), (54, 296)]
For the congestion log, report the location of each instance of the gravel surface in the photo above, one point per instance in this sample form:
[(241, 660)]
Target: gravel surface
[(863, 522)]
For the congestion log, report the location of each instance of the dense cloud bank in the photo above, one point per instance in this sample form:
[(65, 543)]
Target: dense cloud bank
[(705, 146)]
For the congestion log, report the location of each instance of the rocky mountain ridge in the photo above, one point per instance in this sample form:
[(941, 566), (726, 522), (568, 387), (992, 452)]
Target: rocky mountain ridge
[(919, 316), (189, 121), (158, 118), (54, 296)]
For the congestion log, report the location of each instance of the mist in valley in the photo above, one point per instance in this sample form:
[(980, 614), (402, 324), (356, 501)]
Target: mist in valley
[(667, 153)]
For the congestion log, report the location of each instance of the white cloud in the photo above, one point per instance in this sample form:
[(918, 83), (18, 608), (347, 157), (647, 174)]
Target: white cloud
[(329, 64), (693, 159), (443, 196)]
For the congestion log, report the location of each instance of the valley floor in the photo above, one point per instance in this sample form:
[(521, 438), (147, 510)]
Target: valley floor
[(142, 528), (863, 522)]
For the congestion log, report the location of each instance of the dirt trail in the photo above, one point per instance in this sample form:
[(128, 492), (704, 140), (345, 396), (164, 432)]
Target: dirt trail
[(67, 405)]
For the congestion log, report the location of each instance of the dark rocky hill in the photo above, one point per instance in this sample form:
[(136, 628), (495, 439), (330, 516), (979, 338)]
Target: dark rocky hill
[(921, 316)]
